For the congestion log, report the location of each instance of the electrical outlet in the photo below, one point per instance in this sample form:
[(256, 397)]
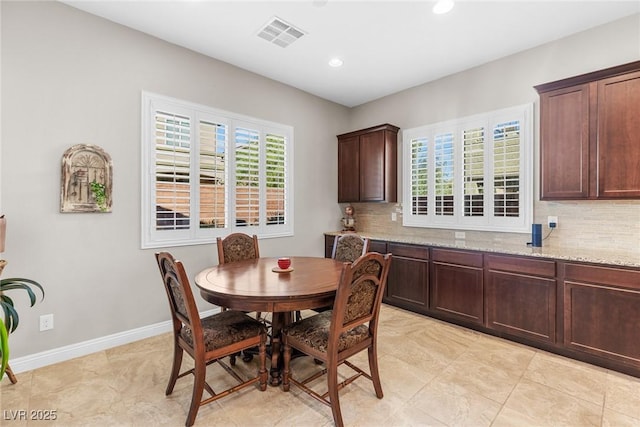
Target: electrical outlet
[(394, 216), (460, 235), (552, 220), (46, 322)]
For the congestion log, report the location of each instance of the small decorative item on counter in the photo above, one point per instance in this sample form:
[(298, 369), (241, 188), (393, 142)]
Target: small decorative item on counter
[(348, 221), (536, 235)]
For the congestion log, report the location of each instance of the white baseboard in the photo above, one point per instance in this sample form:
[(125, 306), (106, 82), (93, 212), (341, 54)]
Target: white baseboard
[(61, 354)]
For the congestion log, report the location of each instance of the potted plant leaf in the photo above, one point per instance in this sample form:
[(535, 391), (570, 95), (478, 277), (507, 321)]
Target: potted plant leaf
[(11, 319)]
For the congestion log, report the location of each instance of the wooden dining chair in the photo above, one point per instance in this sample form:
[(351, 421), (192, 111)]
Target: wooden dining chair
[(349, 247), (334, 336), (240, 247), (237, 247), (207, 340)]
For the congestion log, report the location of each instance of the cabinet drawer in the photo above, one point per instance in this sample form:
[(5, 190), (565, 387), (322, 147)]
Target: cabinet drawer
[(378, 246), (409, 251), (521, 265), (471, 259), (617, 277)]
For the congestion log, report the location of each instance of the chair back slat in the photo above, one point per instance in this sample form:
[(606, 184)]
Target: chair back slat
[(349, 247), (237, 247)]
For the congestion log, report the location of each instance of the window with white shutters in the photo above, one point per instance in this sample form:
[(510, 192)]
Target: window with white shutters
[(473, 173), (208, 173)]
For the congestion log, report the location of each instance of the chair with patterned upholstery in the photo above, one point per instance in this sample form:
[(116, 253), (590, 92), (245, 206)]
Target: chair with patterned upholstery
[(349, 247), (207, 340), (334, 336), (237, 247)]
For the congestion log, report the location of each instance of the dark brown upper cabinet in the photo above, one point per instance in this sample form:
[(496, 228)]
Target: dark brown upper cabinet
[(367, 165), (590, 135)]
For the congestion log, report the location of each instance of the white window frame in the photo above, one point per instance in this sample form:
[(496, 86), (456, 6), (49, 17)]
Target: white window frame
[(195, 235), (486, 222)]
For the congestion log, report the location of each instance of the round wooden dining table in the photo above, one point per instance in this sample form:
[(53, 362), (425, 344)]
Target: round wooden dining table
[(252, 285)]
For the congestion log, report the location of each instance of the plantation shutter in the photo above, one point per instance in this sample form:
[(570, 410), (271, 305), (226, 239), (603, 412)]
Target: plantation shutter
[(276, 179), (444, 174), (212, 168), (419, 176), (473, 142), (247, 185), (172, 171), (506, 160)]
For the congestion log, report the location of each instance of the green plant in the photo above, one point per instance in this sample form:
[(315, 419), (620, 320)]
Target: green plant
[(99, 194), (11, 318)]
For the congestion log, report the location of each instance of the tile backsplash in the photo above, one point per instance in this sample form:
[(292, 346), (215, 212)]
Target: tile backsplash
[(599, 225)]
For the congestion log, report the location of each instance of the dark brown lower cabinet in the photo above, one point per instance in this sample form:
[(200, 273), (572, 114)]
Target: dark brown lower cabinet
[(520, 297), (589, 312), (602, 312), (457, 285), (408, 280)]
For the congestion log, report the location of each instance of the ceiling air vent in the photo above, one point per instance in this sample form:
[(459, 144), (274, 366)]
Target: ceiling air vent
[(280, 32)]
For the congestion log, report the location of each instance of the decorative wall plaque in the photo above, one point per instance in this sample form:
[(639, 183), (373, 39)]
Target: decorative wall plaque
[(86, 179)]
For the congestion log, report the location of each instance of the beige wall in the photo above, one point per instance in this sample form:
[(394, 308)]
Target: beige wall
[(70, 78), (606, 225)]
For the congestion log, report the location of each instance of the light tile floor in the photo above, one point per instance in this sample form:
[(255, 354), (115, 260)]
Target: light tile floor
[(433, 374)]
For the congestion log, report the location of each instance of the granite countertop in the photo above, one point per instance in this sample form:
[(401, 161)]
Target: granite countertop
[(617, 258)]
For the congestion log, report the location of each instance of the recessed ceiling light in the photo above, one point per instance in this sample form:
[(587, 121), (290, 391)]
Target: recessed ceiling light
[(335, 62), (442, 6)]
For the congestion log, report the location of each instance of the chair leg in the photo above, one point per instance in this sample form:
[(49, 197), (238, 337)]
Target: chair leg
[(332, 378), (175, 369), (263, 363), (199, 372), (373, 368), (287, 360)]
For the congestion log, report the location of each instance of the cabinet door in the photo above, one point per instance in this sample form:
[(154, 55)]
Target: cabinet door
[(372, 167), (349, 169), (457, 285), (602, 312), (408, 284), (408, 280), (618, 136), (564, 146), (522, 305)]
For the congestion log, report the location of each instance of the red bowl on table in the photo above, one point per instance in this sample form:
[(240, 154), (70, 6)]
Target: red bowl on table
[(284, 263)]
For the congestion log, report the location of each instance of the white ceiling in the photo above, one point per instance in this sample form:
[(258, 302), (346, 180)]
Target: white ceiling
[(387, 46)]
